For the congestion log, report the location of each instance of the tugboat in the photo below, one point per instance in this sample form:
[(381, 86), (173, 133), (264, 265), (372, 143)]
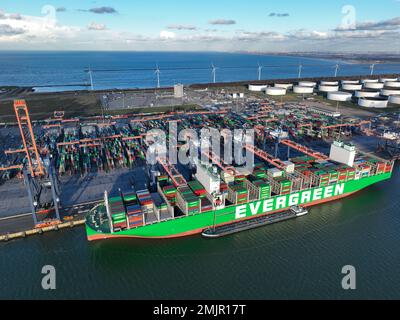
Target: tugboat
[(299, 211)]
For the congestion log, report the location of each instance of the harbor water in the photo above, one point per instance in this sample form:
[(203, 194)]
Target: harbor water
[(301, 258), (58, 71)]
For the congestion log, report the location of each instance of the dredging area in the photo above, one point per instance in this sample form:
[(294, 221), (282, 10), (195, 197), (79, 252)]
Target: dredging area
[(57, 161)]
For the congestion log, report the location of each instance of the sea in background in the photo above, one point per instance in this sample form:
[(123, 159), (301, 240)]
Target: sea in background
[(59, 71)]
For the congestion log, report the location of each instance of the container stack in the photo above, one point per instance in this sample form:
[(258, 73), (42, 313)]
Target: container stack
[(197, 188), (118, 213), (187, 201), (169, 192), (280, 185), (135, 216), (238, 193)]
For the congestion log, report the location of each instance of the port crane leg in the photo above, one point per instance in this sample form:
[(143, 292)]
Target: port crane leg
[(30, 196), (53, 191)]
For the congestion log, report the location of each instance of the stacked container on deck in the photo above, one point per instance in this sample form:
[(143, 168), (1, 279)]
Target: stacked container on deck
[(238, 192), (118, 214), (145, 201), (134, 210), (187, 201), (201, 192)]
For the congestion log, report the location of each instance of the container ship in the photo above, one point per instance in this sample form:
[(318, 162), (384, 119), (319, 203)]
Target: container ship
[(218, 195)]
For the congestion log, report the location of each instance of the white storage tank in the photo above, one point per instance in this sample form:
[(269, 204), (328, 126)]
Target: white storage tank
[(328, 88), (339, 96), (352, 86), (394, 99), (364, 81), (374, 85), (377, 102), (257, 87), (307, 84), (366, 93), (392, 84), (390, 91), (272, 91), (384, 80), (350, 82), (329, 83), (286, 86), (303, 90)]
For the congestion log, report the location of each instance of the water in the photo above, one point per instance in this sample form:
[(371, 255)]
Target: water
[(68, 70), (301, 259)]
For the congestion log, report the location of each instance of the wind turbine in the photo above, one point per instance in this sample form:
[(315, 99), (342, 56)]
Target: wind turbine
[(214, 72), (336, 69), (260, 68), (91, 79), (157, 73), (372, 67), (300, 70)]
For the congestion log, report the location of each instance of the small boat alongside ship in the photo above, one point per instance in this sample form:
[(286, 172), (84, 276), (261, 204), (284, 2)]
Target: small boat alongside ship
[(236, 227)]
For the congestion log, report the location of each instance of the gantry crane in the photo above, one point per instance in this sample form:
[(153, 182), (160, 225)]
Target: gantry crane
[(34, 161), (266, 156), (176, 177), (303, 149)]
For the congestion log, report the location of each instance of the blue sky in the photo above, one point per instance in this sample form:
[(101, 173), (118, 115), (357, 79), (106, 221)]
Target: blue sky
[(221, 25)]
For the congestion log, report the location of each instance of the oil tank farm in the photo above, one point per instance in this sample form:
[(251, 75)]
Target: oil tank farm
[(339, 96), (366, 93), (303, 89), (257, 87), (273, 91), (376, 102)]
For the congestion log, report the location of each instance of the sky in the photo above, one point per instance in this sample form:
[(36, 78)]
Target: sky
[(201, 25)]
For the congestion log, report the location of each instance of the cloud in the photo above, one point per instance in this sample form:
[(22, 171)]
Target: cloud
[(61, 9), (6, 30), (97, 26), (279, 15), (167, 35), (391, 24), (103, 10), (222, 22), (254, 36), (181, 27), (11, 16)]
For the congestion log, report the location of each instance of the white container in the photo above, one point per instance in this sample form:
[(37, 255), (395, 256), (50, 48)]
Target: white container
[(339, 96), (289, 166), (373, 102), (272, 91), (303, 90), (275, 173)]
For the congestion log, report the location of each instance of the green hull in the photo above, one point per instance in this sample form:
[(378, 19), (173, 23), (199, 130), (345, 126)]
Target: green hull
[(189, 225)]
